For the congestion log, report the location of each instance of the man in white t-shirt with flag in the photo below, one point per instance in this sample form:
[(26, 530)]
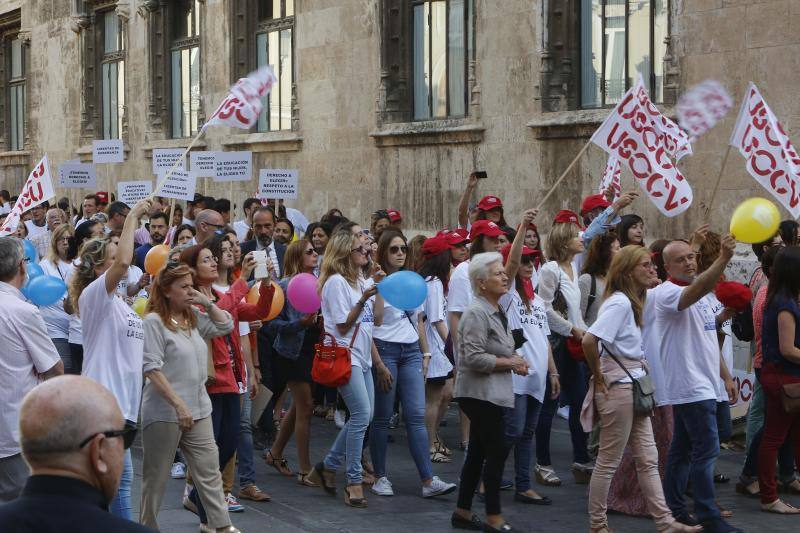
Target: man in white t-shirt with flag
[(689, 360)]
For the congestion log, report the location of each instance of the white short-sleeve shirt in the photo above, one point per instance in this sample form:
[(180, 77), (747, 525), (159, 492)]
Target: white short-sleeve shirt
[(459, 294), (338, 298), (616, 327)]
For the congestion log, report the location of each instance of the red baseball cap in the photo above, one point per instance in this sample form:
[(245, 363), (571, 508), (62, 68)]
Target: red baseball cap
[(525, 251), (435, 245), (566, 216), (484, 227), (454, 237), (489, 202), (590, 203), (394, 215), (102, 196)]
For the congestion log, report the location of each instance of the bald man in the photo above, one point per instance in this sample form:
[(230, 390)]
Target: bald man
[(207, 222), (681, 342), (73, 438)]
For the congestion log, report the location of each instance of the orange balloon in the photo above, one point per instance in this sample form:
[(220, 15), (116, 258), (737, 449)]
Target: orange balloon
[(277, 300), (156, 258)]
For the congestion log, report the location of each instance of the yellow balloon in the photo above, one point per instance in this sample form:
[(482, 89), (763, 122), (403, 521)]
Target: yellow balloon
[(755, 220), (139, 305)]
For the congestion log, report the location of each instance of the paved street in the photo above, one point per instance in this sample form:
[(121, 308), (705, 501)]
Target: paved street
[(299, 509)]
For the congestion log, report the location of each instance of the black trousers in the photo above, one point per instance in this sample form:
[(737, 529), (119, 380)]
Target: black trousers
[(486, 453)]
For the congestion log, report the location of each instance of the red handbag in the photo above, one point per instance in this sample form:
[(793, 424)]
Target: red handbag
[(332, 365), (575, 349)]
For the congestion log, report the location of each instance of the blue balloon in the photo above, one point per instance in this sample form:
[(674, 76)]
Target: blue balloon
[(404, 290), (30, 250), (34, 271), (45, 290)]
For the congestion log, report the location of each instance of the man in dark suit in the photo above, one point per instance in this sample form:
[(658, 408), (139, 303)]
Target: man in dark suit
[(73, 437), (263, 228)]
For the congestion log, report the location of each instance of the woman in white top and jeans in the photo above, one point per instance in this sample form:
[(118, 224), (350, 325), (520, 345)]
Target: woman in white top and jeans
[(617, 331), (113, 337), (558, 276), (347, 310), (58, 263)]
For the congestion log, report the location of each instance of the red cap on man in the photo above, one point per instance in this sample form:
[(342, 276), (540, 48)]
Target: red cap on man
[(394, 215), (435, 245), (590, 203), (567, 217), (484, 227), (489, 202)]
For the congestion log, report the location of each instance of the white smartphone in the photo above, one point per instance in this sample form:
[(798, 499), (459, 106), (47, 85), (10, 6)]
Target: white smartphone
[(260, 257)]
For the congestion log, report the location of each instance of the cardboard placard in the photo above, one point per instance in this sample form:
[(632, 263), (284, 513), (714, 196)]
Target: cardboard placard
[(278, 183), (108, 151), (77, 176), (131, 192), (233, 166), (203, 163), (180, 185), (164, 158)]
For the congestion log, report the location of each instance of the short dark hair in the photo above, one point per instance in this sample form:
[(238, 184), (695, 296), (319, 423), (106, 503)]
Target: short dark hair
[(92, 197), (222, 205), (158, 215), (117, 208), (5, 195), (249, 203), (265, 209), (287, 222)]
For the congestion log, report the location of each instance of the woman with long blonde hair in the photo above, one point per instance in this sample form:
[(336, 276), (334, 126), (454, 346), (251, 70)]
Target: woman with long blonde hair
[(58, 263), (347, 310), (617, 336)]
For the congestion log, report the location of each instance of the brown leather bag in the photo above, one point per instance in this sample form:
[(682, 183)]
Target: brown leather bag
[(790, 398)]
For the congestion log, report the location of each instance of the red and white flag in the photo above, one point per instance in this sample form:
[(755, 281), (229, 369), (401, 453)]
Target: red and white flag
[(770, 156), (242, 106), (37, 190), (612, 178), (644, 140), (702, 106)]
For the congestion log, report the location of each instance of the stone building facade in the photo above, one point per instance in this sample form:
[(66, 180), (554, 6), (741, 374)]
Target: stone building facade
[(388, 103)]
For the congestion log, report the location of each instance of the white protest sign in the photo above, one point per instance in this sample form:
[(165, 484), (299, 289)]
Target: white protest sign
[(108, 151), (203, 163), (277, 183), (233, 166), (77, 176), (131, 192), (179, 185), (164, 158)]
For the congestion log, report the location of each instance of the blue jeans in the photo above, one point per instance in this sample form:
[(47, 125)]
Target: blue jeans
[(244, 449), (724, 424), (692, 454), (359, 396), (520, 426), (404, 361), (121, 504)]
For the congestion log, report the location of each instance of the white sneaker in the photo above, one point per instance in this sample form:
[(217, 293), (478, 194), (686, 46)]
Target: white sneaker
[(437, 488), (178, 471), (383, 487), (339, 418)]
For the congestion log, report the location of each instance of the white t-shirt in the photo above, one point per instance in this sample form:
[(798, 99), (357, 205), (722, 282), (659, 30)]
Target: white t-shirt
[(241, 228), (435, 310), (55, 318), (113, 343), (552, 279), (687, 346), (187, 221), (727, 345), (338, 298), (397, 325), (134, 275), (459, 294), (617, 329), (533, 323), (34, 230), (298, 220)]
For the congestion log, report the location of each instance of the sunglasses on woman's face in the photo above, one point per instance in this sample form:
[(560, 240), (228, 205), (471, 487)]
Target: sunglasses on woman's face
[(360, 249), (310, 251), (396, 249)]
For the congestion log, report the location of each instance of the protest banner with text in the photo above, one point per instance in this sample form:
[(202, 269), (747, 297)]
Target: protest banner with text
[(131, 192), (77, 176), (233, 166), (165, 158), (179, 185), (277, 183), (108, 151)]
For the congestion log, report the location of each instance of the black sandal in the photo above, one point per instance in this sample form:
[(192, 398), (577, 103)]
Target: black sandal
[(317, 475), (278, 464)]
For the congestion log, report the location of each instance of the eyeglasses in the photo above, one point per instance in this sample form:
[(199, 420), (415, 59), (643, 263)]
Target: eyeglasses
[(127, 434), (218, 226), (360, 249), (310, 251), (395, 249)]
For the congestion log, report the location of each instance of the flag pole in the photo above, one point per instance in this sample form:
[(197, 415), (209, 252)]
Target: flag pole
[(716, 185), (563, 175), (175, 164)]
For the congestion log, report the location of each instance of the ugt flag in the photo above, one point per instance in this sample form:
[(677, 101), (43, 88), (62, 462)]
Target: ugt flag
[(240, 109), (37, 190)]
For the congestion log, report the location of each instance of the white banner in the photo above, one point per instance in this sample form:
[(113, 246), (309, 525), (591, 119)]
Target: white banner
[(702, 106), (108, 151), (203, 163), (612, 178), (131, 192), (644, 140), (37, 190), (277, 183), (77, 176), (180, 185), (770, 156), (164, 158), (233, 166), (242, 105)]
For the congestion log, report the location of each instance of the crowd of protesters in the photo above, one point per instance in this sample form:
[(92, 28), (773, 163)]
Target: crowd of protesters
[(635, 341)]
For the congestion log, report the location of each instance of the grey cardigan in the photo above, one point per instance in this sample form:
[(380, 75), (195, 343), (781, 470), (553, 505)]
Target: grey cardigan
[(482, 338), (183, 359)]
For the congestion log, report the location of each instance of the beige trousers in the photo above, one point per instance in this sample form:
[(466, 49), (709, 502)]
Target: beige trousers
[(619, 426), (159, 441)]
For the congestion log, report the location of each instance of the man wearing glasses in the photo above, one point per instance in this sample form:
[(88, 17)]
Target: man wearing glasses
[(207, 222), (74, 439)]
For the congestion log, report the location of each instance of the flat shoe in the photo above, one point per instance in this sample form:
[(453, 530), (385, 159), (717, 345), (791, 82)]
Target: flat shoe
[(506, 527), (472, 524), (748, 490), (779, 507), (541, 500)]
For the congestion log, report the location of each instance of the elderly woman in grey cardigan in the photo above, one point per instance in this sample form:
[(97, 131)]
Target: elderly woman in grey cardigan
[(484, 389), (176, 409)]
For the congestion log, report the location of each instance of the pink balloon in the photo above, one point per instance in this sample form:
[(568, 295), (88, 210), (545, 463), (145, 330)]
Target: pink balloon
[(302, 293)]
